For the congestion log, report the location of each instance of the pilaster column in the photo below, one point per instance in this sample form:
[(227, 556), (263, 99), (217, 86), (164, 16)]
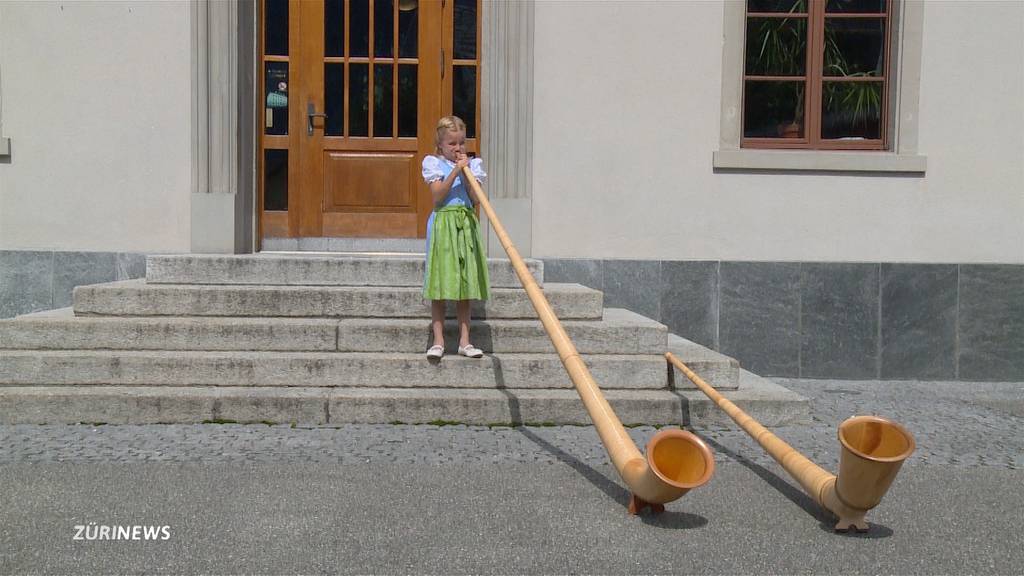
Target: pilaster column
[(222, 34), (507, 110)]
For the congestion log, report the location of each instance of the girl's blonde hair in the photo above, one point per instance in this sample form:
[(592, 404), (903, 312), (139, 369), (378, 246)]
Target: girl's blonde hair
[(446, 125)]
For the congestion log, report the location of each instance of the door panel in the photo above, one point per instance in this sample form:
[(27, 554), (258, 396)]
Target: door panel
[(366, 82), (358, 182)]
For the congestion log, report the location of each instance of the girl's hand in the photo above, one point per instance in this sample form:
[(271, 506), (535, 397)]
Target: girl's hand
[(461, 161)]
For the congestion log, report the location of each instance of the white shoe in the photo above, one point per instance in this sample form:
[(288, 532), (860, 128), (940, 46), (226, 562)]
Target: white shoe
[(470, 351), (435, 352)]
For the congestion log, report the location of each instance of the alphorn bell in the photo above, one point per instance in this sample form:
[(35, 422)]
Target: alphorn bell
[(872, 451), (677, 461)]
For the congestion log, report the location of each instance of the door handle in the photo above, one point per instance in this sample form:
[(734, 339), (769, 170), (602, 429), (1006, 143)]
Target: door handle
[(310, 114)]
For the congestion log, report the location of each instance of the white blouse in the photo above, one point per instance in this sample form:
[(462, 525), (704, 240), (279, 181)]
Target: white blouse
[(437, 168)]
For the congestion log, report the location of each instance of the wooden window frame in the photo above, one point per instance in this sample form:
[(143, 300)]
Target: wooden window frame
[(814, 80)]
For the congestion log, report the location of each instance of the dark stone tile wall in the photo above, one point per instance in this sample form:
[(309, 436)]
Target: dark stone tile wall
[(590, 273), (72, 269), (31, 281), (26, 282), (919, 321), (130, 265), (689, 300), (634, 285), (991, 322), (829, 320), (839, 306), (760, 316), (788, 319)]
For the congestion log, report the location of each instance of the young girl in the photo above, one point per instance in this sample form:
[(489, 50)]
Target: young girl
[(456, 261)]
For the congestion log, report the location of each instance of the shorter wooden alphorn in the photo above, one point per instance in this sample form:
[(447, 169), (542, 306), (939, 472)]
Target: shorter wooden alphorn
[(873, 449)]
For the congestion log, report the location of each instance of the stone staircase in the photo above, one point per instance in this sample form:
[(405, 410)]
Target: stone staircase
[(330, 339)]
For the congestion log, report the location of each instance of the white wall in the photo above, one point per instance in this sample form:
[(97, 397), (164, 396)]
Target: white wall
[(627, 102), (96, 99)]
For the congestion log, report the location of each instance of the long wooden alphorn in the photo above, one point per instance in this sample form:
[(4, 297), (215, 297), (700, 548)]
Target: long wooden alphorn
[(873, 449), (677, 461)]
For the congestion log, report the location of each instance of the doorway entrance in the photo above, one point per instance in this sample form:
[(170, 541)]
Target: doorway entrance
[(350, 93)]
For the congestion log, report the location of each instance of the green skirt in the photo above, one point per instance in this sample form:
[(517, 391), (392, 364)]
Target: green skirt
[(456, 262)]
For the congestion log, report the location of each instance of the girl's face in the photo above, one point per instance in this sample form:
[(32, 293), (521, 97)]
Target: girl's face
[(452, 144)]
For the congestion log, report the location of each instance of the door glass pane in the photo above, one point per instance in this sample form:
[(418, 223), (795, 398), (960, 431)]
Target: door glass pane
[(334, 27), (359, 31), (776, 46), (383, 28), (854, 46), (275, 180), (464, 97), (852, 6), (383, 116), (275, 27), (276, 98), (777, 6), (334, 99), (851, 110), (465, 30), (773, 110), (407, 82), (408, 24), (358, 99)]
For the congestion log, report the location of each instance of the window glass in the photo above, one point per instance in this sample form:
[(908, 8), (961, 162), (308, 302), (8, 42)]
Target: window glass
[(275, 27), (275, 180), (275, 84), (464, 97), (815, 74)]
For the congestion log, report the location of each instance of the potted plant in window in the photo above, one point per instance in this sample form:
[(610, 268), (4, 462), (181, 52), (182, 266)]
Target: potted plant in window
[(781, 51), (855, 103)]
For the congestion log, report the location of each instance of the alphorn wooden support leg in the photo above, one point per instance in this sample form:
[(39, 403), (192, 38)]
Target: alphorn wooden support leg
[(846, 525), (849, 517), (637, 505)]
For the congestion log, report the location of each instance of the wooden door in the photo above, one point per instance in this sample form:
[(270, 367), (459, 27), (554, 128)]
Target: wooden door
[(368, 81)]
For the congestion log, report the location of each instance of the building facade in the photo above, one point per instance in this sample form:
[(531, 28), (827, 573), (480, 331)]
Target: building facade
[(631, 145)]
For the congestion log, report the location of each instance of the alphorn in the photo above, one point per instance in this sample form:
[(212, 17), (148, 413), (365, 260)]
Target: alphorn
[(677, 461), (872, 451)]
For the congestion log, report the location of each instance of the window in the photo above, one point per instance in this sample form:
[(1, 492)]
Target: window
[(816, 74), (899, 118)]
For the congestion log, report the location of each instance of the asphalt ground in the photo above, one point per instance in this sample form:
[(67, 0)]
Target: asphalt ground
[(457, 499)]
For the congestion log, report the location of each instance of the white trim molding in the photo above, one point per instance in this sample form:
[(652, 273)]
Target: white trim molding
[(906, 83)]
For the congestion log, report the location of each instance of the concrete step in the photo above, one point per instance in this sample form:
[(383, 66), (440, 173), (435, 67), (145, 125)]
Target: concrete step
[(62, 330), (137, 298), (765, 401), (718, 370), (312, 270), (769, 404), (619, 332), (310, 369)]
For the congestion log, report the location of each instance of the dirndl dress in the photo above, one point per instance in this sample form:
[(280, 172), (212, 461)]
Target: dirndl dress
[(456, 267)]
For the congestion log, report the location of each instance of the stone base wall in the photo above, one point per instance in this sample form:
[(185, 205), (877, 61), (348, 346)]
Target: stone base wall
[(42, 280), (857, 321)]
